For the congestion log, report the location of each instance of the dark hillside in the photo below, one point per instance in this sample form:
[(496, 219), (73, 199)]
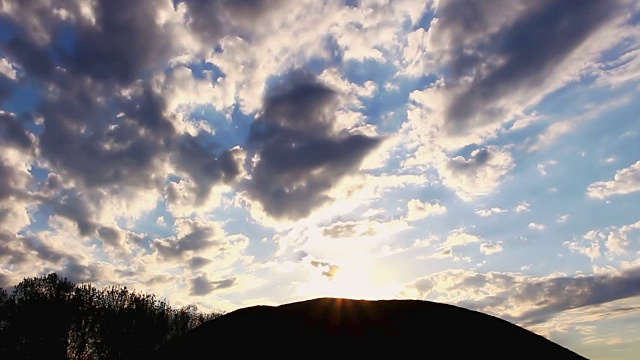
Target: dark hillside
[(339, 327)]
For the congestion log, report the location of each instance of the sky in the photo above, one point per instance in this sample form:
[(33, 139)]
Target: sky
[(224, 153)]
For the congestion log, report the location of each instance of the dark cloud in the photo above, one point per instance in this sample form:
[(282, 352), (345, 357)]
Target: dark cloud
[(532, 300), (341, 230), (478, 158), (562, 293), (121, 44), (103, 124), (200, 285), (44, 251), (200, 236), (204, 167), (34, 59), (13, 132), (197, 262), (213, 19), (329, 270), (301, 155), (7, 87), (12, 250), (117, 47), (530, 47), (122, 144), (350, 229), (12, 182), (77, 272), (75, 207), (110, 235)]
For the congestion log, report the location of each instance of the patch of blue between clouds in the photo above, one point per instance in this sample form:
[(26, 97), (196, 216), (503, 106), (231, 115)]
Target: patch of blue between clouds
[(24, 99), (148, 225), (227, 132), (201, 68), (238, 221)]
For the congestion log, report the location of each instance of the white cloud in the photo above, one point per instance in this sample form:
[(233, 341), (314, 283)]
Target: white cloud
[(478, 175), (491, 211), (459, 238), (536, 226), (561, 128), (563, 218), (543, 167), (625, 181), (491, 248), (525, 299), (523, 207), (441, 254), (419, 210), (588, 246), (618, 239), (415, 61), (7, 69)]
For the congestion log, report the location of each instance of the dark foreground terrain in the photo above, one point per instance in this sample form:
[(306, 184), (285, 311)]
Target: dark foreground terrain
[(338, 327)]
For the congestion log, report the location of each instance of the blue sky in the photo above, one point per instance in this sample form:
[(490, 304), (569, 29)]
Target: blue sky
[(233, 153)]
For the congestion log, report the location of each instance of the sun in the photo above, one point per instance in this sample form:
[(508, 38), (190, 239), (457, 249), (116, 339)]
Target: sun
[(353, 277)]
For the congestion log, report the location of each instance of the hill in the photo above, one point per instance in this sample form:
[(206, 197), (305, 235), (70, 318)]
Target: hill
[(343, 327)]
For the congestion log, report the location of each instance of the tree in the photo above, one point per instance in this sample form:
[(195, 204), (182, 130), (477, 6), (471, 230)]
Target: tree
[(49, 317)]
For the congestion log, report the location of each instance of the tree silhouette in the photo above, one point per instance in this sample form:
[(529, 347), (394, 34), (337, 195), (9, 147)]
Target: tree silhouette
[(49, 317)]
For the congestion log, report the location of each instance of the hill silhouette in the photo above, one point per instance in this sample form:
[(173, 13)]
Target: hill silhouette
[(342, 327)]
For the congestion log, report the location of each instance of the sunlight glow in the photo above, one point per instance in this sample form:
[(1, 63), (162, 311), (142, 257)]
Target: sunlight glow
[(358, 277)]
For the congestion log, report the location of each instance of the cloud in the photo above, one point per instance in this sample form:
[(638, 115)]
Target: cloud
[(537, 227), (444, 253), (13, 132), (563, 218), (523, 207), (543, 166), (459, 238), (478, 175), (588, 246), (300, 157), (625, 181), (491, 248), (609, 160), (489, 212), (618, 239), (7, 69), (512, 50), (329, 270), (417, 210), (201, 285), (526, 300), (349, 229), (193, 236)]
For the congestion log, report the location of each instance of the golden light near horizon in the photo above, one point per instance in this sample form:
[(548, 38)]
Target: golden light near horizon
[(356, 276)]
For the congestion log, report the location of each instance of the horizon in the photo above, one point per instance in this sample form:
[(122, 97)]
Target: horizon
[(259, 152)]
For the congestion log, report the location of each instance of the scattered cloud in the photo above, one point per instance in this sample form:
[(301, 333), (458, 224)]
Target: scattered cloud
[(589, 245), (328, 270), (417, 210), (619, 240), (625, 181), (536, 226), (459, 238), (525, 299), (543, 167), (477, 175), (491, 248), (523, 207), (201, 285), (491, 211)]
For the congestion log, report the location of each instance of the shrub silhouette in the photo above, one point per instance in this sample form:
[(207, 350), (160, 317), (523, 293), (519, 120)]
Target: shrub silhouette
[(49, 317)]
